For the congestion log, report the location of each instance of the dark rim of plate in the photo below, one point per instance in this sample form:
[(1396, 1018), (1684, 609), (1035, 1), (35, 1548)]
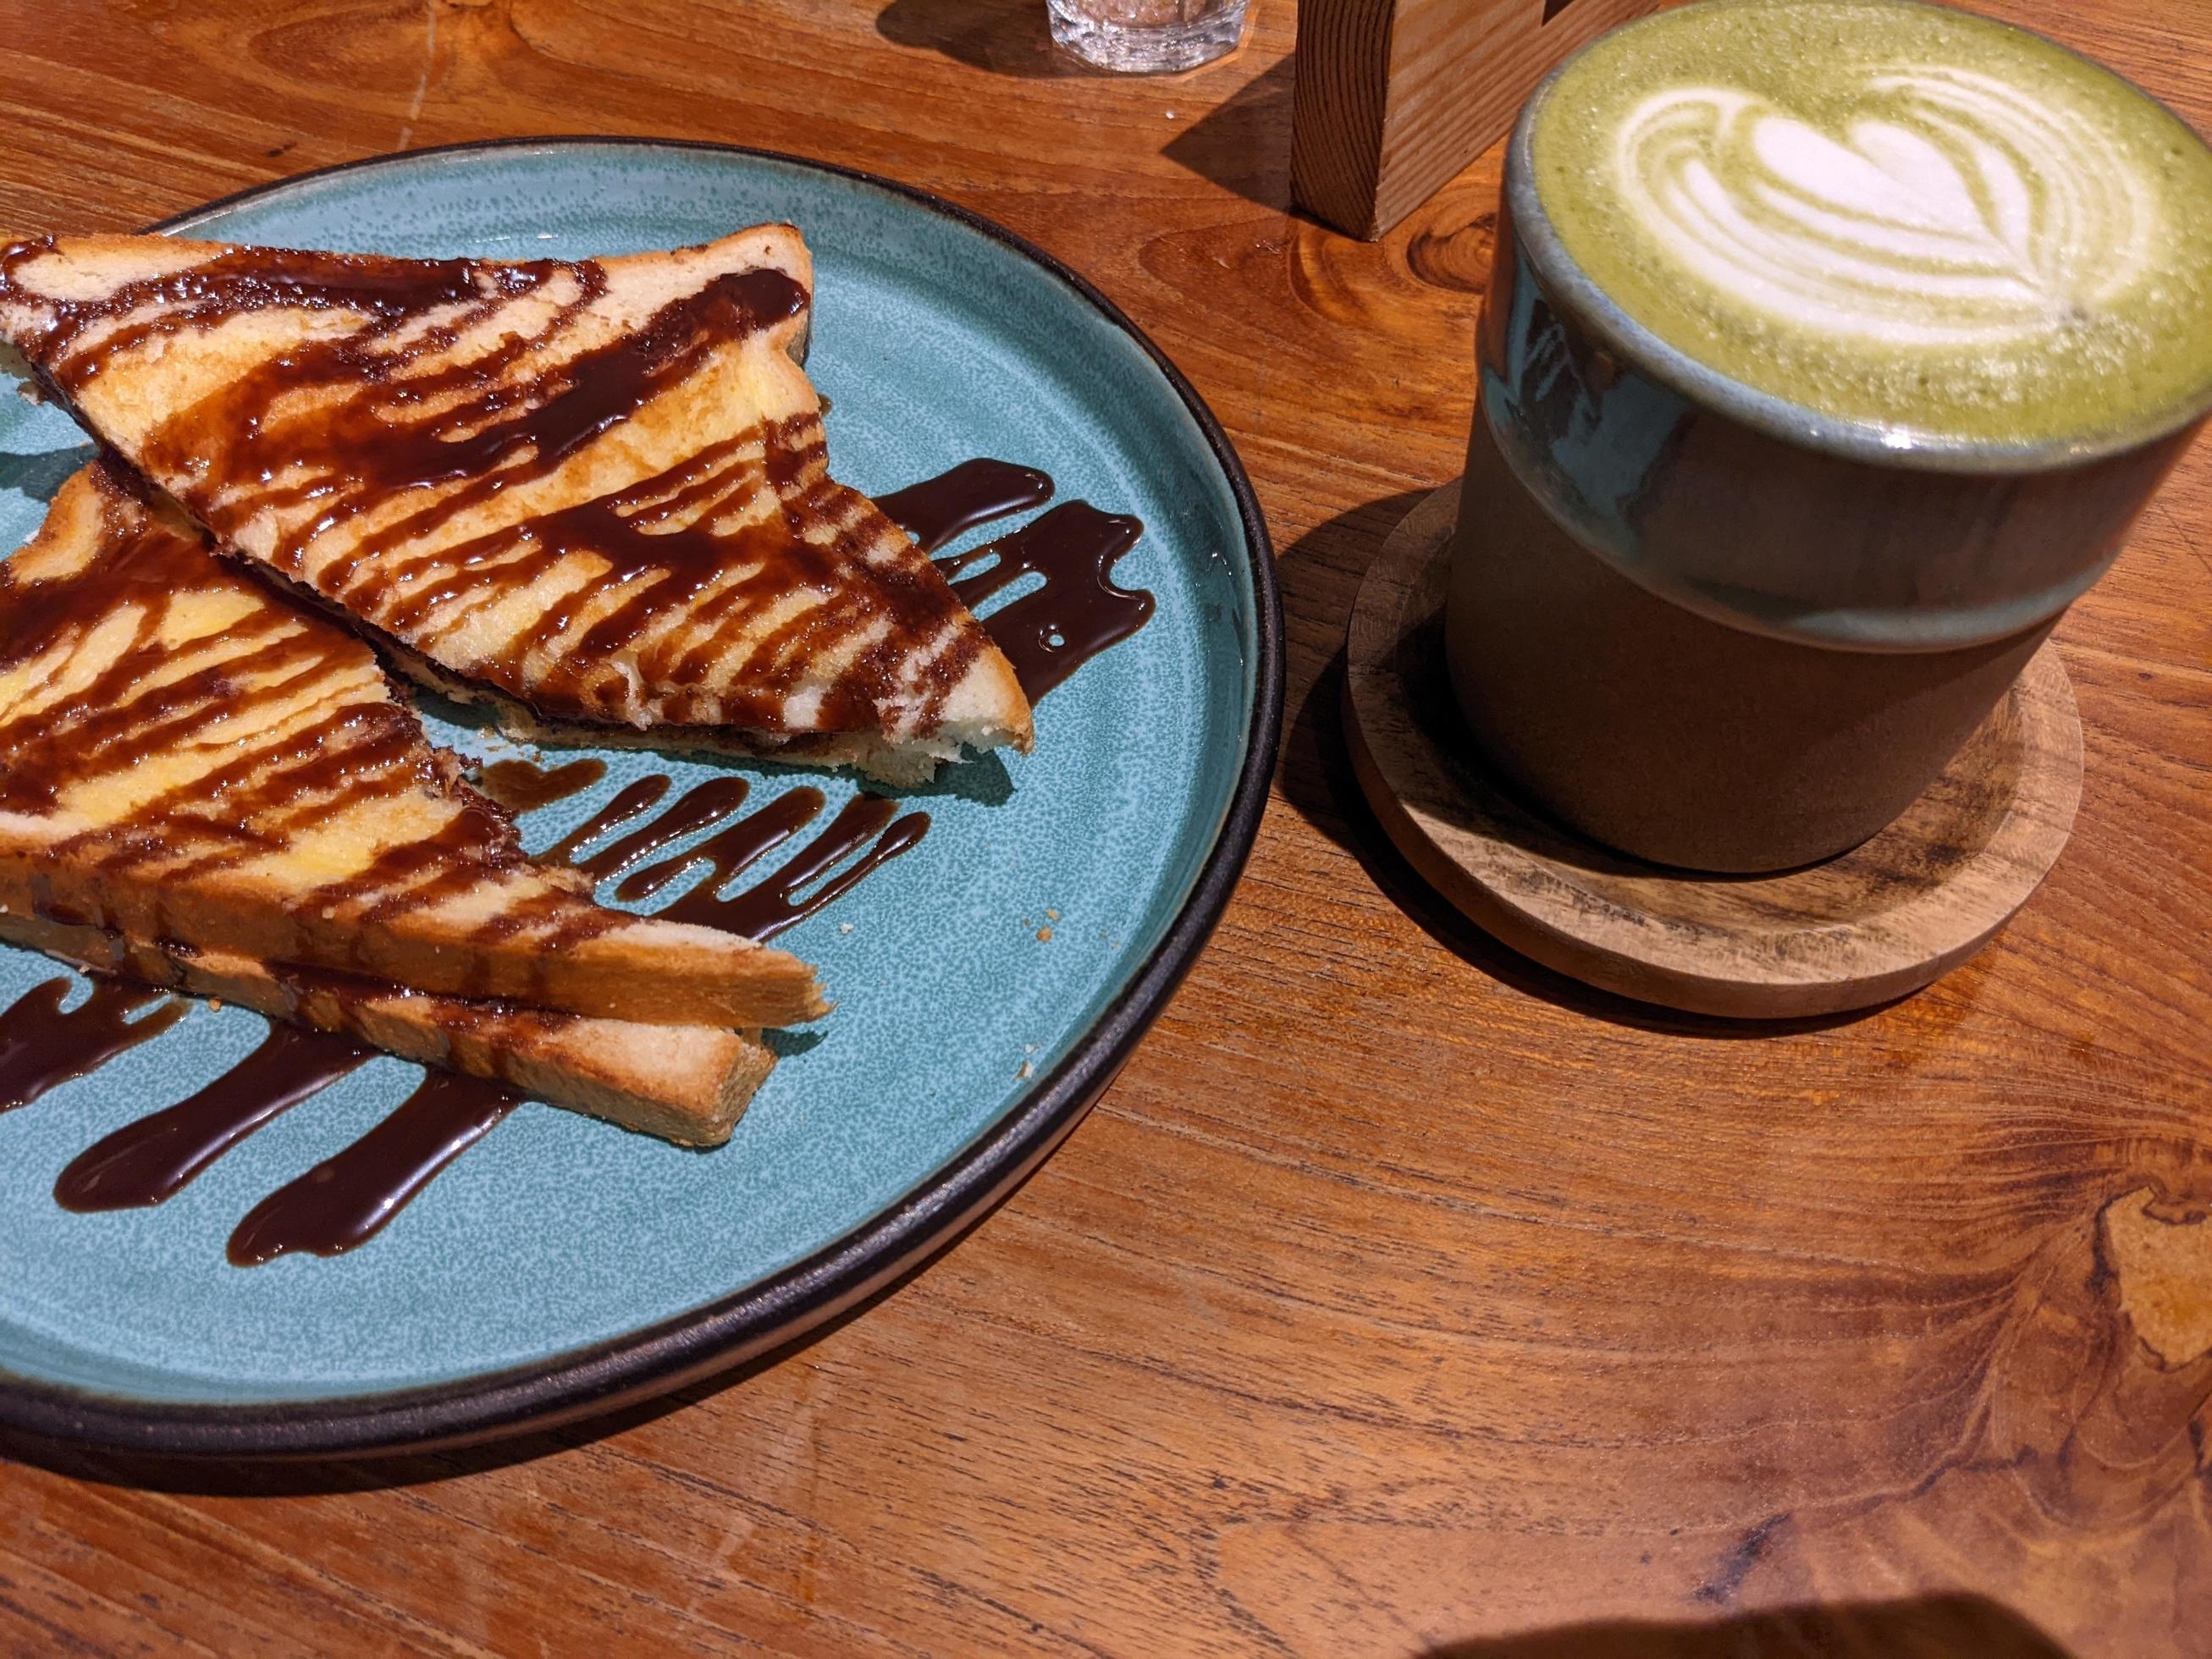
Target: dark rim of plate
[(775, 1310)]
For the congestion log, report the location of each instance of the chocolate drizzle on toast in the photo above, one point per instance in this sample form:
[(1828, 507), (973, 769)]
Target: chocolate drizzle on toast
[(296, 709), (379, 467), (183, 756)]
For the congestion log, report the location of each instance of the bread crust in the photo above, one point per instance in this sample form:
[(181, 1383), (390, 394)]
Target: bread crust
[(688, 1085)]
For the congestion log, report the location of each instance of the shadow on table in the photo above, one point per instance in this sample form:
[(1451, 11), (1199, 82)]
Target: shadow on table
[(1932, 1627), (1006, 37), (1244, 143), (219, 1477), (1320, 575)]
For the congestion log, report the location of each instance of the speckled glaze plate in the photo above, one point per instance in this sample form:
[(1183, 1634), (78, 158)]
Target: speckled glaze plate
[(562, 1266)]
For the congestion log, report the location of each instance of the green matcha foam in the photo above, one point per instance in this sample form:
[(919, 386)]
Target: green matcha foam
[(1892, 213)]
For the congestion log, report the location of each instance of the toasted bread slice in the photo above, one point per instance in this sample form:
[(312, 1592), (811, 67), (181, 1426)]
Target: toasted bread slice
[(688, 1083), (595, 495), (185, 756)]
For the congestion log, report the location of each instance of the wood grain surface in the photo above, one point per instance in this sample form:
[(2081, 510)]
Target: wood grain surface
[(1401, 1297), (1871, 924)]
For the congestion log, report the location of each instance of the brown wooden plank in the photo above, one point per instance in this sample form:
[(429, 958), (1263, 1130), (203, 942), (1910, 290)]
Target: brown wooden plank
[(1396, 96)]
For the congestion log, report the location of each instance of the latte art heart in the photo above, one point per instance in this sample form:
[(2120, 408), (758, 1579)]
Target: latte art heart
[(1888, 213), (1962, 214)]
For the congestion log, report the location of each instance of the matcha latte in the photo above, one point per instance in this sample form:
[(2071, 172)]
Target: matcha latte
[(1892, 213)]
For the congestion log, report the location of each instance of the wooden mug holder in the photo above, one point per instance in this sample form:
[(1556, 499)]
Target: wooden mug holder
[(1396, 96), (1869, 925)]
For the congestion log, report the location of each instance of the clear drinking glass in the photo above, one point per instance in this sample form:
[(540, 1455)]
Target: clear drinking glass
[(1145, 36)]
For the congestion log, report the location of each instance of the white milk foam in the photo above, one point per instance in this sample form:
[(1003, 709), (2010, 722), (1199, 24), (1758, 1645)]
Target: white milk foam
[(1968, 213)]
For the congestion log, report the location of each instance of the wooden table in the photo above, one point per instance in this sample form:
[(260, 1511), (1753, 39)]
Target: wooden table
[(1401, 1297)]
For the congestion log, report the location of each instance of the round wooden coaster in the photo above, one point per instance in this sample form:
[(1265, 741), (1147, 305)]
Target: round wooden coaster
[(1871, 924)]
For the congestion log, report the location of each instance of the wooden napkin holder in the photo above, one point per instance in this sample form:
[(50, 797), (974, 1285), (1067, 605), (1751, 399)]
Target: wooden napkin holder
[(1396, 96)]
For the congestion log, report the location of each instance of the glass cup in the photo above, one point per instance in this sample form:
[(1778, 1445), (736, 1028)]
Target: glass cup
[(1141, 37)]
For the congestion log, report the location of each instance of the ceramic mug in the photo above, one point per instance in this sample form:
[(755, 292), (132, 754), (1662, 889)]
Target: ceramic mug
[(1716, 628)]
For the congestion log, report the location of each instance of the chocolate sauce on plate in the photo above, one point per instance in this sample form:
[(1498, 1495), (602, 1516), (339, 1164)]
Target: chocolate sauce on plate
[(151, 1159), (763, 911), (1074, 612), (631, 800), (697, 807), (868, 825), (43, 1045), (1050, 633), (735, 847), (347, 1200), (937, 510)]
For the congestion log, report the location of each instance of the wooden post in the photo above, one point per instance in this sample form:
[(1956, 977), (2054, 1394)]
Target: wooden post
[(1395, 96)]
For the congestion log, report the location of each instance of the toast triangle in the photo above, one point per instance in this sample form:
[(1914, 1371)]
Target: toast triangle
[(592, 494), (186, 759)]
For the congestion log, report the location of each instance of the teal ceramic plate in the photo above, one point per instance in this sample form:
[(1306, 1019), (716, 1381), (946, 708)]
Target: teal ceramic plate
[(562, 1266)]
